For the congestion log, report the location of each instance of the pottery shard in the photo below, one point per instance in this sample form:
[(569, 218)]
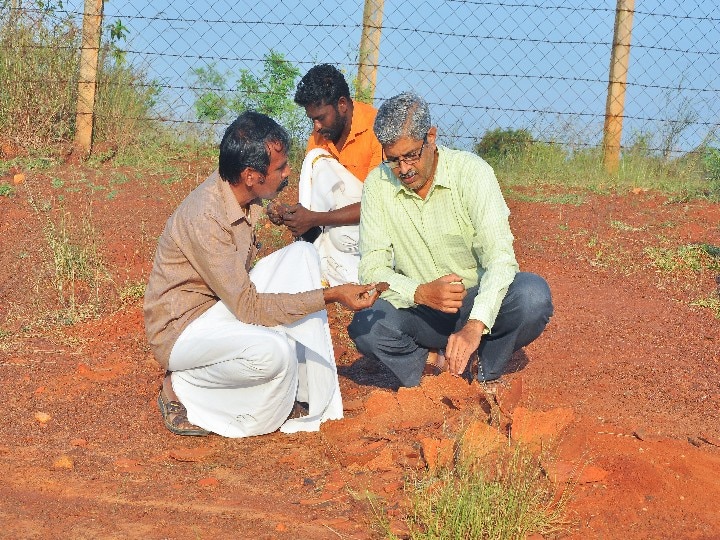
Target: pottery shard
[(42, 417), (479, 440), (361, 452), (449, 387), (210, 481), (63, 462), (341, 432), (533, 427), (382, 462)]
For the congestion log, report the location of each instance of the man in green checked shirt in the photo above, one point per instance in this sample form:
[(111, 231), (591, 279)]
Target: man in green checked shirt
[(434, 226)]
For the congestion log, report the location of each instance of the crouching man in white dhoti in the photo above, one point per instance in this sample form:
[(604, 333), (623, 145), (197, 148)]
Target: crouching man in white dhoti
[(242, 347), (341, 151)]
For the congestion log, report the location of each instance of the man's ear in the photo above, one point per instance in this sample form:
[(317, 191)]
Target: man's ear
[(432, 135), (249, 177), (342, 104)]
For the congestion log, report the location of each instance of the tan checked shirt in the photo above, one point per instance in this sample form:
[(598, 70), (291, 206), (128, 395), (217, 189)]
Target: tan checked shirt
[(204, 255)]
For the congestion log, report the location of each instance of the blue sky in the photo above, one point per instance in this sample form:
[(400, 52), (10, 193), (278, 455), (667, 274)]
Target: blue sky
[(519, 64)]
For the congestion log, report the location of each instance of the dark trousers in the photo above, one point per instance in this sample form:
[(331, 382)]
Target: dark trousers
[(400, 338)]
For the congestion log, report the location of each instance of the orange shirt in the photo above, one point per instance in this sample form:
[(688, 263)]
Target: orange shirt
[(362, 151)]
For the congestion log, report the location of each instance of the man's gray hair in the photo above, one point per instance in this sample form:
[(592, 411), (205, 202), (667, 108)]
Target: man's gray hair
[(405, 115)]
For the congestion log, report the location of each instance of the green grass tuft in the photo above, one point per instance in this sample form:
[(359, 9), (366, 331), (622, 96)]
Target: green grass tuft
[(513, 500), (693, 257)]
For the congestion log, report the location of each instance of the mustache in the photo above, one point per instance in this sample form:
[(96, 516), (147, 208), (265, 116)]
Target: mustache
[(408, 174), (283, 185)]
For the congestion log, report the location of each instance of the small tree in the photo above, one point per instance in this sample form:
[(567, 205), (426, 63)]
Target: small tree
[(268, 93), (211, 105)]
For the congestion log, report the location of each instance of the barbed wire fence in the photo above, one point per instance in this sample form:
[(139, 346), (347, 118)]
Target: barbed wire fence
[(482, 65)]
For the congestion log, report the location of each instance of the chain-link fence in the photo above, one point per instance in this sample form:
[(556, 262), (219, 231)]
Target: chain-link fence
[(536, 65)]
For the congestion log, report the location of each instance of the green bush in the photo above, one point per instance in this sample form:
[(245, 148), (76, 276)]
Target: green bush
[(500, 143), (269, 92), (711, 163)]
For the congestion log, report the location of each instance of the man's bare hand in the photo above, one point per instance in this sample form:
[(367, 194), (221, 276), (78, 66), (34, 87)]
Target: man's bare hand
[(444, 294), (462, 344), (299, 219), (352, 295), (275, 211)]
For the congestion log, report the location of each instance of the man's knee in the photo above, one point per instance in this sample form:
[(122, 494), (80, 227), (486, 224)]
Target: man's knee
[(270, 359), (385, 340), (535, 297), (360, 329), (538, 298)]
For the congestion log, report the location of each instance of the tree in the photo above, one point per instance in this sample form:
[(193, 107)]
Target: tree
[(268, 93), (210, 104)]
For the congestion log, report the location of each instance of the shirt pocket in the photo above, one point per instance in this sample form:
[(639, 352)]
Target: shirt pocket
[(459, 254)]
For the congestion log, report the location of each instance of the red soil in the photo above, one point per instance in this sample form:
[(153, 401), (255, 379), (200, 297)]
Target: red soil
[(623, 385)]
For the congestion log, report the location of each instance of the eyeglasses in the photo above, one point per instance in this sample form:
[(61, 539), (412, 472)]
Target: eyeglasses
[(408, 159)]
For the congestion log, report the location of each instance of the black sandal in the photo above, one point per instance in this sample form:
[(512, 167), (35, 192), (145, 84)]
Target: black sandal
[(175, 417)]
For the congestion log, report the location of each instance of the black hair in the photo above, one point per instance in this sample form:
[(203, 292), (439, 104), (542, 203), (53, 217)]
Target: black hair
[(245, 144), (322, 85)]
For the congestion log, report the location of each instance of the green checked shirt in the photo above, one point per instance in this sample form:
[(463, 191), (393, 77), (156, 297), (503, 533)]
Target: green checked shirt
[(461, 227)]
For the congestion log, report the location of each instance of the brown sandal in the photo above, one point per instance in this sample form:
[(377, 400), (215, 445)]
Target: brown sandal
[(175, 417)]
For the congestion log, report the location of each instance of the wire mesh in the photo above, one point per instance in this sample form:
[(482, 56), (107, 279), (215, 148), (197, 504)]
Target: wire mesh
[(482, 65)]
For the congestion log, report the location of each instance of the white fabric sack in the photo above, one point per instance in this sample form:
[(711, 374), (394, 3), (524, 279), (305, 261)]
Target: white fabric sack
[(326, 185)]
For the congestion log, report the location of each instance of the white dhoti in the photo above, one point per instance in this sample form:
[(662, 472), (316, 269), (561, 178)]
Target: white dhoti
[(326, 185), (237, 379)]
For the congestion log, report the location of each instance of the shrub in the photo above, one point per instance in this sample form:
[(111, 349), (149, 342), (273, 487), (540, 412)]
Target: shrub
[(711, 163), (500, 143)]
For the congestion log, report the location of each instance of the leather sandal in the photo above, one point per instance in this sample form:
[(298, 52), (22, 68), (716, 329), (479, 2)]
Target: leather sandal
[(174, 415)]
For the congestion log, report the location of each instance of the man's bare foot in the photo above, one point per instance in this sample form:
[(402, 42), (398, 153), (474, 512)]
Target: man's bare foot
[(435, 363)]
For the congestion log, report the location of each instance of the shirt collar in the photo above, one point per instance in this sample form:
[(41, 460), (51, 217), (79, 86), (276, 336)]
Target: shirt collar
[(355, 129), (233, 210)]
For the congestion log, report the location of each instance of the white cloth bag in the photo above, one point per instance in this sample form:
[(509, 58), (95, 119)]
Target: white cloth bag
[(326, 185)]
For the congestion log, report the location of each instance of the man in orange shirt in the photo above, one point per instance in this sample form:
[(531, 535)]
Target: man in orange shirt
[(341, 151)]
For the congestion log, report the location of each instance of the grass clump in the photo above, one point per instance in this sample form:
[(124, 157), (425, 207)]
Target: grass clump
[(509, 498), (692, 257), (39, 70), (132, 292), (568, 162), (6, 190), (696, 260), (77, 269)]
